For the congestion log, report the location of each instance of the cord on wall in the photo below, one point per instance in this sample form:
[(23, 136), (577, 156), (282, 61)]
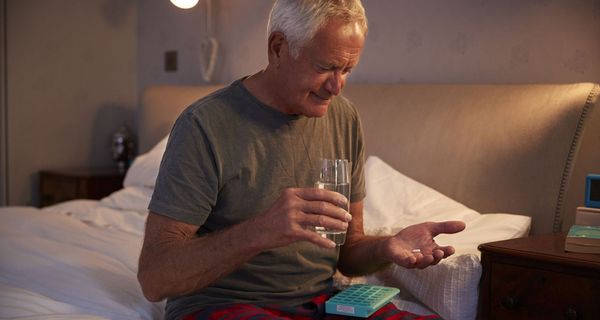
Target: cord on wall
[(209, 46)]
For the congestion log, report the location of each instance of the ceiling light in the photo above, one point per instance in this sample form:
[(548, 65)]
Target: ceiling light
[(184, 4)]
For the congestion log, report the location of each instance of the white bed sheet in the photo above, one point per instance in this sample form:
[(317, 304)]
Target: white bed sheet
[(56, 264)]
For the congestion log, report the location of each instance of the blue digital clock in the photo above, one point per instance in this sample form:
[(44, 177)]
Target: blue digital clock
[(592, 191)]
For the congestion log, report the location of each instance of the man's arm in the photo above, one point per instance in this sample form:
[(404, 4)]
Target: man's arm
[(366, 254), (176, 261)]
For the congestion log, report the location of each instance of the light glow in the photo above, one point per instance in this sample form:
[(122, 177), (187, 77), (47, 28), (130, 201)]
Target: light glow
[(184, 4)]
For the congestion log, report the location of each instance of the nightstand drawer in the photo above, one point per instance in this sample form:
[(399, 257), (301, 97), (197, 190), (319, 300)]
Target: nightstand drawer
[(54, 189), (534, 278), (68, 184), (526, 293)]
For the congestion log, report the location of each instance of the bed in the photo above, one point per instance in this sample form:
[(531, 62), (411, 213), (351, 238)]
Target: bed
[(507, 159)]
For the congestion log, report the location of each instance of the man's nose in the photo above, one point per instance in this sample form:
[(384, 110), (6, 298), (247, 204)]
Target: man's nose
[(335, 83)]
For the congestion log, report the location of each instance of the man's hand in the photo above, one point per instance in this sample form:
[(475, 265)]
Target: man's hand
[(414, 246), (295, 211)]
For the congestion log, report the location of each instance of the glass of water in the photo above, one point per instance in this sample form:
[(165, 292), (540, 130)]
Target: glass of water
[(334, 175)]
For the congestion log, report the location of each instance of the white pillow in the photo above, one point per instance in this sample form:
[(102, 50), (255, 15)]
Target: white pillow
[(131, 198), (395, 201), (449, 288), (144, 169)]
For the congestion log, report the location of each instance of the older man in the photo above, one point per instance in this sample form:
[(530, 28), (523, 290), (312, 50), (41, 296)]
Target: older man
[(229, 228)]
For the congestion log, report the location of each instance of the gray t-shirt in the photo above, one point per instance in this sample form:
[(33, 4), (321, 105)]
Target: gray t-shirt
[(227, 159)]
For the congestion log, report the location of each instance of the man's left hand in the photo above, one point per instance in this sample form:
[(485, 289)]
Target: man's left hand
[(415, 247)]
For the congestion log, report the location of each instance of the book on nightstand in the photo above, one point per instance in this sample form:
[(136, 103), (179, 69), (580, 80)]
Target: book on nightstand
[(583, 239)]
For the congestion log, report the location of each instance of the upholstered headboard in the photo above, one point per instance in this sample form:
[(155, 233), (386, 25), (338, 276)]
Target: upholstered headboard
[(496, 148)]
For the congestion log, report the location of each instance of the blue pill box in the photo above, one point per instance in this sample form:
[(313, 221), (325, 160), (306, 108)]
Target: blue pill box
[(360, 300)]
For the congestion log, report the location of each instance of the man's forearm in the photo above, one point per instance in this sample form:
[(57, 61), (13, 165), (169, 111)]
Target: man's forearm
[(362, 255), (172, 267)]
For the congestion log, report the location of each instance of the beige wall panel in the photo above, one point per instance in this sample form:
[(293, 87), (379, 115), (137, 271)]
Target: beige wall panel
[(71, 81)]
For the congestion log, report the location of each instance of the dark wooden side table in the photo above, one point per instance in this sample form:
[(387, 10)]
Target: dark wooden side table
[(67, 184), (534, 278)]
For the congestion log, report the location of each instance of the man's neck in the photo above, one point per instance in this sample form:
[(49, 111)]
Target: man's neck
[(262, 87)]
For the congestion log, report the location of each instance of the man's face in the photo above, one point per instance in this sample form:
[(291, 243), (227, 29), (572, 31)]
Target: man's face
[(320, 71)]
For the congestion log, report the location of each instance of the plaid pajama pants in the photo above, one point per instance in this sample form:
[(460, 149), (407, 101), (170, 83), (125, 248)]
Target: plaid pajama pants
[(315, 309)]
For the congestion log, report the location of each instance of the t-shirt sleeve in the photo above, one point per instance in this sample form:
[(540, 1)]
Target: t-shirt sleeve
[(187, 183)]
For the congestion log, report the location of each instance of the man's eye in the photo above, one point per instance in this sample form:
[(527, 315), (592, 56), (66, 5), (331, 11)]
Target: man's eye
[(323, 69)]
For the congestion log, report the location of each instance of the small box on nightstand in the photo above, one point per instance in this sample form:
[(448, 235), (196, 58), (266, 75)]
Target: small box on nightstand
[(68, 184), (585, 216)]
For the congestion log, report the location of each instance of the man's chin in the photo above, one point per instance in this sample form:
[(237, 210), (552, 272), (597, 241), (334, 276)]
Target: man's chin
[(316, 106), (317, 111)]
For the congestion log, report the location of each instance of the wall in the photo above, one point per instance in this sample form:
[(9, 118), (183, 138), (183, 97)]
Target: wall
[(483, 41), (412, 41), (239, 26), (71, 81)]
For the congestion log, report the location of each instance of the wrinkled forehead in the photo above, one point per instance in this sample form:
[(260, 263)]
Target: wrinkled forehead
[(336, 45)]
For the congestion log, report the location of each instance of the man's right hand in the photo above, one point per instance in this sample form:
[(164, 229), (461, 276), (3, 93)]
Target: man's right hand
[(295, 212)]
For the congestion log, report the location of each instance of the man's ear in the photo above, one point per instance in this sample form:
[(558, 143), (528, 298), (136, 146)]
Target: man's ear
[(277, 47)]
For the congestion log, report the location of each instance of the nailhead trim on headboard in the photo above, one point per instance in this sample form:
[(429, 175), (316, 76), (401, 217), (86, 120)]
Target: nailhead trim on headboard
[(557, 223)]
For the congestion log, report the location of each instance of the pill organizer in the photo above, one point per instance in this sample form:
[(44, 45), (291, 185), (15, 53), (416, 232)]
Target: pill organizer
[(360, 300)]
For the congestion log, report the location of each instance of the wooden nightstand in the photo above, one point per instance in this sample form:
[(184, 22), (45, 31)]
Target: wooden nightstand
[(533, 278), (67, 184)]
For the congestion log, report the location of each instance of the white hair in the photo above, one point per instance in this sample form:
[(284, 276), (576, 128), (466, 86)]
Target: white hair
[(299, 20)]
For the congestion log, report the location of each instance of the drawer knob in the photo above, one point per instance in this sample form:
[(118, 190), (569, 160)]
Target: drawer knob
[(510, 302), (571, 314)]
